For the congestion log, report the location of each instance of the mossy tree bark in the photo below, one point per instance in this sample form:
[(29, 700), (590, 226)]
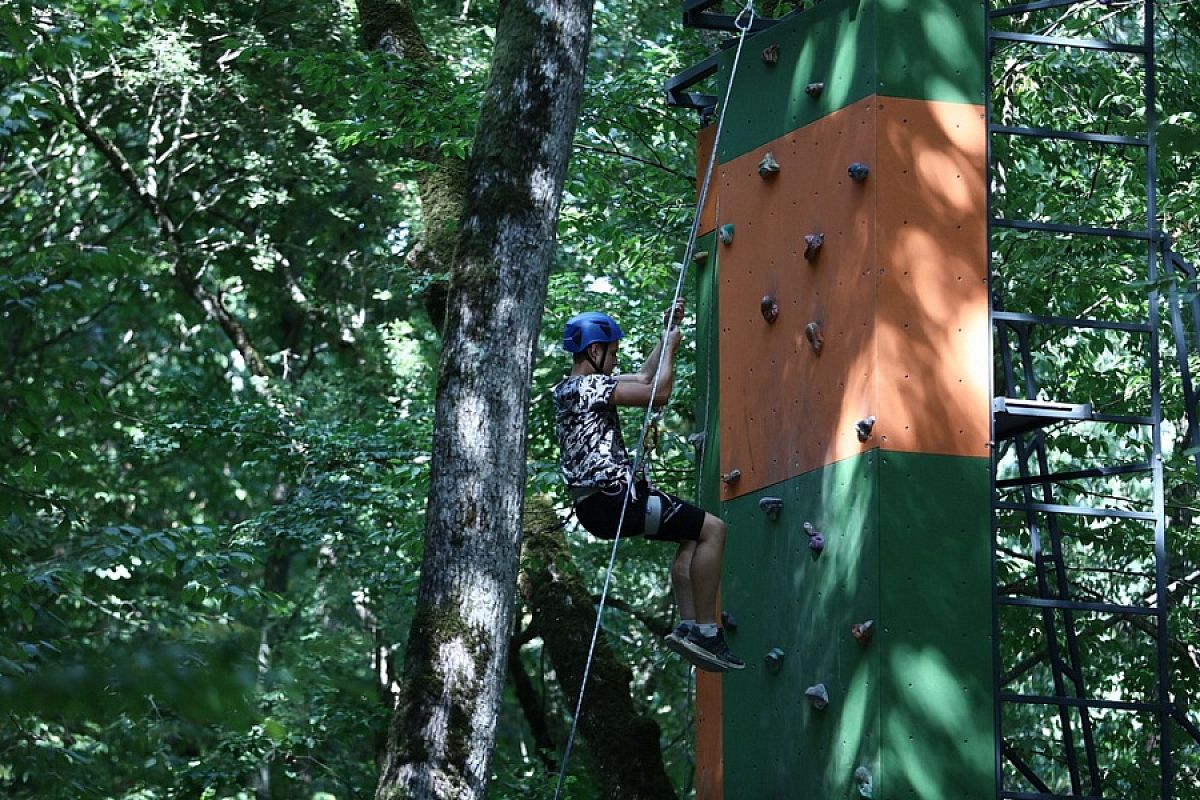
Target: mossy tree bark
[(442, 733), (391, 27), (623, 745)]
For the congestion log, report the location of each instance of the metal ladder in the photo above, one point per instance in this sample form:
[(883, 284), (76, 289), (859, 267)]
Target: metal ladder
[(1056, 700)]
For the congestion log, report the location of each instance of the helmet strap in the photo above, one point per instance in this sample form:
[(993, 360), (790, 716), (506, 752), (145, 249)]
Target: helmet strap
[(588, 355)]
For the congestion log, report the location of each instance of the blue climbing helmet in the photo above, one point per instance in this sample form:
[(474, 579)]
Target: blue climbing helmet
[(588, 328)]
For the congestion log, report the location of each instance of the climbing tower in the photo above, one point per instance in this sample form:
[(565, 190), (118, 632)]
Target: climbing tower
[(925, 407), (845, 344)]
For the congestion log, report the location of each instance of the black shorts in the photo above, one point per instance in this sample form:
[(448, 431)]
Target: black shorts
[(600, 514)]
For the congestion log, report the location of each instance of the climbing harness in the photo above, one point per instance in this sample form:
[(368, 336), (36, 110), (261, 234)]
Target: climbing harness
[(743, 22)]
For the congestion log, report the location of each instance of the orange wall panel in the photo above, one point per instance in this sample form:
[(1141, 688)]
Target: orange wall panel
[(786, 409), (932, 322), (899, 290), (709, 732)]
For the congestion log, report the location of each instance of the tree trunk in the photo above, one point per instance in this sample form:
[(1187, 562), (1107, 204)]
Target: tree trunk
[(443, 730), (623, 746)]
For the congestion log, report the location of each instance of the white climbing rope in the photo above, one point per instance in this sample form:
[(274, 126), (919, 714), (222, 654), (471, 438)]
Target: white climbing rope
[(743, 22)]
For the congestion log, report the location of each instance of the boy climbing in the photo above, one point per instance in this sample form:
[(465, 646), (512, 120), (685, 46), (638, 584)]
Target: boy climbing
[(599, 474)]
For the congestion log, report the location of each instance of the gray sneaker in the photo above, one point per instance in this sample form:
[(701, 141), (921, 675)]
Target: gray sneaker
[(710, 653), (674, 639)]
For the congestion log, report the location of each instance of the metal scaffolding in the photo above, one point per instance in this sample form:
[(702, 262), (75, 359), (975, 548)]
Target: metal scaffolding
[(1072, 472)]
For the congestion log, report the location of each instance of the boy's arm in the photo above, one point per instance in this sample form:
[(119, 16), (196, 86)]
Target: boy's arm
[(636, 389)]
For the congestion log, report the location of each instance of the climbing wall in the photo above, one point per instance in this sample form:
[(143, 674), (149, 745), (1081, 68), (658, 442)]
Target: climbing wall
[(844, 363)]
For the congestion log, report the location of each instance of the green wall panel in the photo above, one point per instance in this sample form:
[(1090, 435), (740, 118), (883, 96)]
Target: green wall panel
[(907, 545), (832, 43), (935, 635), (776, 744), (919, 49), (931, 50)]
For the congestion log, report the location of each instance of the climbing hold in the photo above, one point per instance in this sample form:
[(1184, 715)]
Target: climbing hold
[(818, 696), (728, 621), (812, 332), (814, 89), (731, 476), (698, 440), (812, 245), (774, 659), (726, 233), (700, 257), (771, 505), (768, 166), (858, 171), (863, 631), (863, 776), (816, 539), (770, 55), (864, 427), (769, 309)]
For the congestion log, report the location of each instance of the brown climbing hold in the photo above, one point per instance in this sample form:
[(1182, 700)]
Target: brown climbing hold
[(863, 631), (770, 55)]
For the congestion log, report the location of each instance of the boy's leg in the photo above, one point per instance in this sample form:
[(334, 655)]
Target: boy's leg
[(681, 587), (705, 644), (681, 580), (706, 569)]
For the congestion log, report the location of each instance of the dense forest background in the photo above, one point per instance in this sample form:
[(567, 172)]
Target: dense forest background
[(220, 311)]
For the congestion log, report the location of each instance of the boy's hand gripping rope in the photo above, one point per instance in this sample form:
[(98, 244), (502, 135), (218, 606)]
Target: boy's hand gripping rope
[(743, 22)]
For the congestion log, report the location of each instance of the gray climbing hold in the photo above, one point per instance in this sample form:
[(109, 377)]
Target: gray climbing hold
[(726, 233), (862, 776), (769, 309), (770, 55), (728, 621), (812, 246), (732, 476), (700, 257), (818, 696), (812, 332), (863, 631), (858, 171), (772, 506), (814, 89), (774, 659), (864, 427), (768, 166)]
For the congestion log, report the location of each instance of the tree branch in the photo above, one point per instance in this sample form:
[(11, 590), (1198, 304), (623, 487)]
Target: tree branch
[(150, 201)]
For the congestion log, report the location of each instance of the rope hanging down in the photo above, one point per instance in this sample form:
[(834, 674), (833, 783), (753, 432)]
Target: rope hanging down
[(744, 22)]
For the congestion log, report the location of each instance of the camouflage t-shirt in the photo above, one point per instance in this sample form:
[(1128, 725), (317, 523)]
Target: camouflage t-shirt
[(591, 449)]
